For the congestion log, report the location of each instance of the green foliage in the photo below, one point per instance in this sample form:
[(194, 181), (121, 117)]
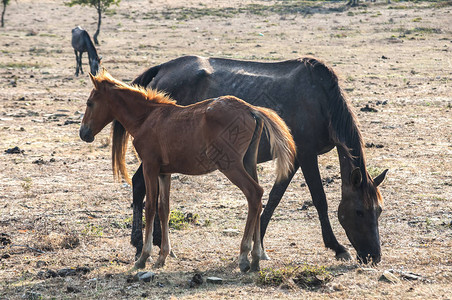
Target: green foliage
[(179, 220), (93, 230), (98, 4), (306, 277), (374, 171)]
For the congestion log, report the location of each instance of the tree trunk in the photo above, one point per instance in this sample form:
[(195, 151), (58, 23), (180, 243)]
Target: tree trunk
[(99, 12), (3, 14)]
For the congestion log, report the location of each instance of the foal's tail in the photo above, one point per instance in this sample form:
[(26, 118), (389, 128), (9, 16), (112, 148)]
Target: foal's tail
[(282, 145), (119, 134)]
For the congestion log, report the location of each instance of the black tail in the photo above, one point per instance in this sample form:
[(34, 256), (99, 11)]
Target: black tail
[(146, 77)]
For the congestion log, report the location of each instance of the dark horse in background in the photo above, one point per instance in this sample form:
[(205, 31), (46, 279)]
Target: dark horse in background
[(81, 42), (306, 94)]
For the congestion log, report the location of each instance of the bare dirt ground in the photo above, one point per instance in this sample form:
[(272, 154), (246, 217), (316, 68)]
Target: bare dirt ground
[(60, 207)]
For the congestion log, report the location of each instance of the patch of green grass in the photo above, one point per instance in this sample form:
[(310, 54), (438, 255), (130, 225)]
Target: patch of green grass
[(305, 276), (279, 7), (47, 35), (27, 184), (21, 65), (374, 171), (179, 220), (93, 230)]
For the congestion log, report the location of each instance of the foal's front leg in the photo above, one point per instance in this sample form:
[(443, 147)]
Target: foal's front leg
[(164, 210), (151, 180)]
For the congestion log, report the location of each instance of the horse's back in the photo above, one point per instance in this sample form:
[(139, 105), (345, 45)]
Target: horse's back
[(287, 87), (77, 40)]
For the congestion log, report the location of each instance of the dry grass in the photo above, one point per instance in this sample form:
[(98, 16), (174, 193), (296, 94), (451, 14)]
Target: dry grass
[(60, 207)]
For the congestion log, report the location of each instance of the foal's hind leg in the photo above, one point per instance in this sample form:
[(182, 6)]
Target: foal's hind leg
[(253, 192), (250, 163)]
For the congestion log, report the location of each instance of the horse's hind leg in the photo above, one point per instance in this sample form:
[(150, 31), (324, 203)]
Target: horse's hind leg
[(253, 192), (274, 198), (164, 209)]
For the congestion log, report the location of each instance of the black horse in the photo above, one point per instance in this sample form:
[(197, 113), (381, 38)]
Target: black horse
[(81, 42), (306, 94)]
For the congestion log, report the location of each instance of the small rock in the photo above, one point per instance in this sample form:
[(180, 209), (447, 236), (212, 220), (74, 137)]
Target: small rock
[(338, 287), (367, 108), (66, 272), (214, 280), (365, 270), (71, 289), (147, 276), (40, 264), (196, 280), (15, 150), (389, 277), (231, 232), (410, 276), (5, 239)]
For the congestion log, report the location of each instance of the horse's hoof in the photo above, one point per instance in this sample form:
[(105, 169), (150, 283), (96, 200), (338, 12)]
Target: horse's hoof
[(244, 266), (158, 264), (343, 256), (255, 266), (140, 264), (264, 255)]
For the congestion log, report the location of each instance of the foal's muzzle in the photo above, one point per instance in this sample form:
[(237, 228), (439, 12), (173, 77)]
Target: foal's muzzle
[(86, 134)]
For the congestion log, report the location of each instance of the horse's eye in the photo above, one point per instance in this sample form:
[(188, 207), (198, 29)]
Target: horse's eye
[(89, 104), (360, 213)]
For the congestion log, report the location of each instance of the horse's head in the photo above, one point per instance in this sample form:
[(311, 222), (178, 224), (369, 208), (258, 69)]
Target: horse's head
[(358, 214), (94, 65), (97, 113)]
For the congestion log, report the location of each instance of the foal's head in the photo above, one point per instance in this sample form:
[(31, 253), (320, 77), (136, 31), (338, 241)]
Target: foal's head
[(98, 113)]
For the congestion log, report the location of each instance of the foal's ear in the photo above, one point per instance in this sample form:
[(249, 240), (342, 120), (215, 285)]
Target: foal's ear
[(356, 177), (379, 179), (93, 80)]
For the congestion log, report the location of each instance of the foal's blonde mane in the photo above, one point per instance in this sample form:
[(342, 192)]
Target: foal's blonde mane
[(150, 94)]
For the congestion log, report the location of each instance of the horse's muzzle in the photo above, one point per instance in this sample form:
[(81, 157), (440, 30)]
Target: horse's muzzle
[(86, 134)]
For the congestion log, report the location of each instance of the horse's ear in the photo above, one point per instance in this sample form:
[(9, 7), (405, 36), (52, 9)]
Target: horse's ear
[(380, 178), (356, 177), (93, 80)]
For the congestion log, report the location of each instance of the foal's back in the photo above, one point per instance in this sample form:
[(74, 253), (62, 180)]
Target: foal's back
[(182, 136)]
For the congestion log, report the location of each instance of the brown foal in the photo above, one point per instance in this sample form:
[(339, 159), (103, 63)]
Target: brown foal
[(216, 134)]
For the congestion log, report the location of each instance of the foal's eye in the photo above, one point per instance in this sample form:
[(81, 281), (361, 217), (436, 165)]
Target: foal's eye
[(89, 104), (360, 213)]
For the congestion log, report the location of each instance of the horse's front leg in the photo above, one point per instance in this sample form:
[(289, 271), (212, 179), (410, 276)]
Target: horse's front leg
[(310, 168), (151, 180), (139, 191), (164, 210), (80, 62), (76, 63)]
